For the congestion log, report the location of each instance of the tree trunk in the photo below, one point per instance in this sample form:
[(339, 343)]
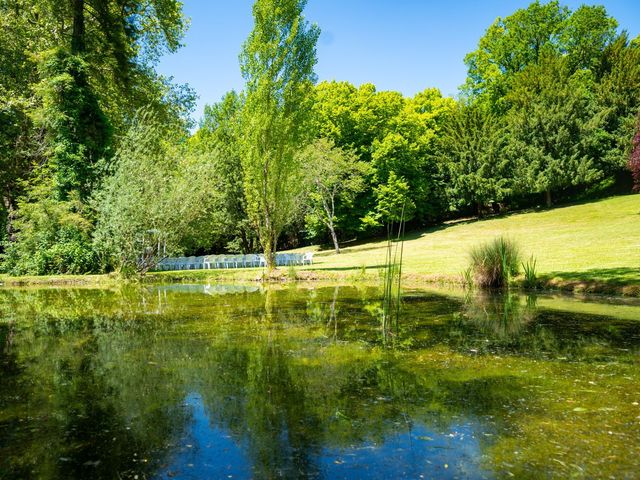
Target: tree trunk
[(334, 237), (479, 208), (269, 246), (332, 316), (244, 242), (547, 195), (77, 35), (9, 207)]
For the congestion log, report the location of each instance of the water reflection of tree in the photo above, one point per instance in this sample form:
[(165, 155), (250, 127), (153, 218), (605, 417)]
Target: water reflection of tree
[(287, 372), (501, 315), (72, 416)]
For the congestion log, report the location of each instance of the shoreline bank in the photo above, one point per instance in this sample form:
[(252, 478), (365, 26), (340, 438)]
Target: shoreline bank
[(547, 283)]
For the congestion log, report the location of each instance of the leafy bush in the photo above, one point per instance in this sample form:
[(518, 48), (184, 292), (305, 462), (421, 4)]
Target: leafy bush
[(495, 262), (52, 237)]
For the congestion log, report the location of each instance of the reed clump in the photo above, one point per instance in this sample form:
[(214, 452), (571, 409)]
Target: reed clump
[(494, 263), (529, 269)]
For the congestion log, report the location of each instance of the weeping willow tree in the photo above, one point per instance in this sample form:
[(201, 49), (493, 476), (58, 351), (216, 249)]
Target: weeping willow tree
[(277, 62)]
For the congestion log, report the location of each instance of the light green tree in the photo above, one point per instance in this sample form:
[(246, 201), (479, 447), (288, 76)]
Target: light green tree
[(146, 207), (336, 175), (523, 38), (277, 62), (224, 223), (393, 203)]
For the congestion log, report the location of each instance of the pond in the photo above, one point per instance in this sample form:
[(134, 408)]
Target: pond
[(196, 381)]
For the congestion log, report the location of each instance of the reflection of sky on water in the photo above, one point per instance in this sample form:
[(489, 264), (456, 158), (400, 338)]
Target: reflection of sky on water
[(418, 453), (205, 451)]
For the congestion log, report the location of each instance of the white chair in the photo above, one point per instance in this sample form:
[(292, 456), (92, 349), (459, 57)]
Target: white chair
[(251, 260), (307, 258), (191, 263), (218, 263)]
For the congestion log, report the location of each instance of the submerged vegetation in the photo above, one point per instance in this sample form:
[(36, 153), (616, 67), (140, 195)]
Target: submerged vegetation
[(294, 382)]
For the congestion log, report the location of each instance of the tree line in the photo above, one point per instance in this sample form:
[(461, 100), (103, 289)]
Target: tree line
[(100, 170)]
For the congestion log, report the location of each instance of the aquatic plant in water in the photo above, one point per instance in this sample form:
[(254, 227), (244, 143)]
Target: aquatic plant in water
[(530, 274), (392, 276)]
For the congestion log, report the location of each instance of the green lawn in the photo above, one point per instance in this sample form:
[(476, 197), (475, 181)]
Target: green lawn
[(591, 247), (592, 241)]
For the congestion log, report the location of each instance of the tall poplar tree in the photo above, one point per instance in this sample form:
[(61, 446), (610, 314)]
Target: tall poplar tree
[(277, 62)]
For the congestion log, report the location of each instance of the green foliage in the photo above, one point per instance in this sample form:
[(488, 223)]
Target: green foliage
[(408, 147), (530, 273), (392, 278), (277, 62), (510, 44), (552, 124), (292, 273), (634, 159), (393, 203), (472, 154), (77, 132), (71, 73), (495, 262), (467, 278), (51, 236), (16, 147), (567, 87), (336, 177), (523, 38), (224, 222), (618, 93), (392, 133), (146, 205)]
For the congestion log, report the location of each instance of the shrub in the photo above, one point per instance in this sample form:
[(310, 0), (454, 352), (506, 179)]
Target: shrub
[(495, 262), (51, 236)]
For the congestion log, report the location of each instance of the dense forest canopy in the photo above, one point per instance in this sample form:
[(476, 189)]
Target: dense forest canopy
[(100, 169)]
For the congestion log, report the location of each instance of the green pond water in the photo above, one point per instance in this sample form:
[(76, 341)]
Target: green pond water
[(194, 381)]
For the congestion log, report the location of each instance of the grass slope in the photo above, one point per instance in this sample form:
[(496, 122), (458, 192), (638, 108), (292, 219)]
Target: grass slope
[(591, 242), (590, 247)]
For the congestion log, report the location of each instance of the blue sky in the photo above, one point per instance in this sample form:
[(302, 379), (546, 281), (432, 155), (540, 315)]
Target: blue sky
[(403, 45)]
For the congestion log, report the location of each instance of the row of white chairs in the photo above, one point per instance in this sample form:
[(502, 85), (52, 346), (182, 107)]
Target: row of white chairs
[(232, 261)]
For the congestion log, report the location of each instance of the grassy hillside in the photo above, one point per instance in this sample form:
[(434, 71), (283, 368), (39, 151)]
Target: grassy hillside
[(591, 241), (591, 247)]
